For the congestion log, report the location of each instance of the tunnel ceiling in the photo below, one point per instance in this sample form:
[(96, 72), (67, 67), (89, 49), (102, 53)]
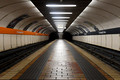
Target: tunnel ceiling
[(80, 6), (98, 18)]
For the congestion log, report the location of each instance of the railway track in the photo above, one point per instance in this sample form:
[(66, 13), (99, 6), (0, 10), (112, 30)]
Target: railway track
[(11, 57), (109, 56)]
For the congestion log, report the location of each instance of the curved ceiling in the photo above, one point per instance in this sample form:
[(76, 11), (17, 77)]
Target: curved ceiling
[(80, 6), (98, 15), (22, 15)]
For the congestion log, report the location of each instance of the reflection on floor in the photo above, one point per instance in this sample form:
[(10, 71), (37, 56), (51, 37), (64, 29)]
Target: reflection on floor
[(60, 60), (61, 65)]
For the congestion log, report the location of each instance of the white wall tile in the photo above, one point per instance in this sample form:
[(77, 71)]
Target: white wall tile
[(1, 42), (7, 41)]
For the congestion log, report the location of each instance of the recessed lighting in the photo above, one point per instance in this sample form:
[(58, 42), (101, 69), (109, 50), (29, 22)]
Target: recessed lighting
[(62, 23), (60, 12), (60, 17), (61, 20), (60, 5), (60, 27)]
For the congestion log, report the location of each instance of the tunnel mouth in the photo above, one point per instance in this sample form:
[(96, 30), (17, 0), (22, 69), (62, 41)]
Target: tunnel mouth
[(67, 36), (53, 36), (60, 35)]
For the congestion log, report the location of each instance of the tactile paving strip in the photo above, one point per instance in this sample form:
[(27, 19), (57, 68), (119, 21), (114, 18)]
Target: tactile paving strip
[(61, 65), (64, 63)]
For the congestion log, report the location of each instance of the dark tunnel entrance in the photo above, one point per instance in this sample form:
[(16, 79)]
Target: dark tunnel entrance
[(67, 36), (64, 35), (53, 36)]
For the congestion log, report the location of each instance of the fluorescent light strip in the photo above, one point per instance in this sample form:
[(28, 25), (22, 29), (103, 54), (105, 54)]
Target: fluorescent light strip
[(60, 24), (60, 20), (60, 12), (60, 17), (58, 5), (60, 27)]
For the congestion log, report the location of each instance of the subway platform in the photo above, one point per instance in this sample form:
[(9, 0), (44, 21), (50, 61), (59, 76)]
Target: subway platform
[(60, 60)]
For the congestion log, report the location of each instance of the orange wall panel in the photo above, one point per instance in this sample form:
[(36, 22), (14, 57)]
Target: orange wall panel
[(4, 30)]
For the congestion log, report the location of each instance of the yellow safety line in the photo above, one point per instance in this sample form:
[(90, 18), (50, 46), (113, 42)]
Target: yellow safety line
[(16, 71), (81, 51), (26, 67)]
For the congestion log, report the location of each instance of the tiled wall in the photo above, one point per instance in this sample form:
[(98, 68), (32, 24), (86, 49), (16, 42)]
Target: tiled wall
[(9, 41), (111, 41)]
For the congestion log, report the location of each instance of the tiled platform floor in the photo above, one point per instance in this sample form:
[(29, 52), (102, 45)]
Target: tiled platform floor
[(61, 65)]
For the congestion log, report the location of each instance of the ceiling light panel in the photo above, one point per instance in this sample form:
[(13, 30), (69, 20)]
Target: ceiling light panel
[(60, 23), (60, 29), (61, 20), (60, 17), (60, 5), (60, 12)]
